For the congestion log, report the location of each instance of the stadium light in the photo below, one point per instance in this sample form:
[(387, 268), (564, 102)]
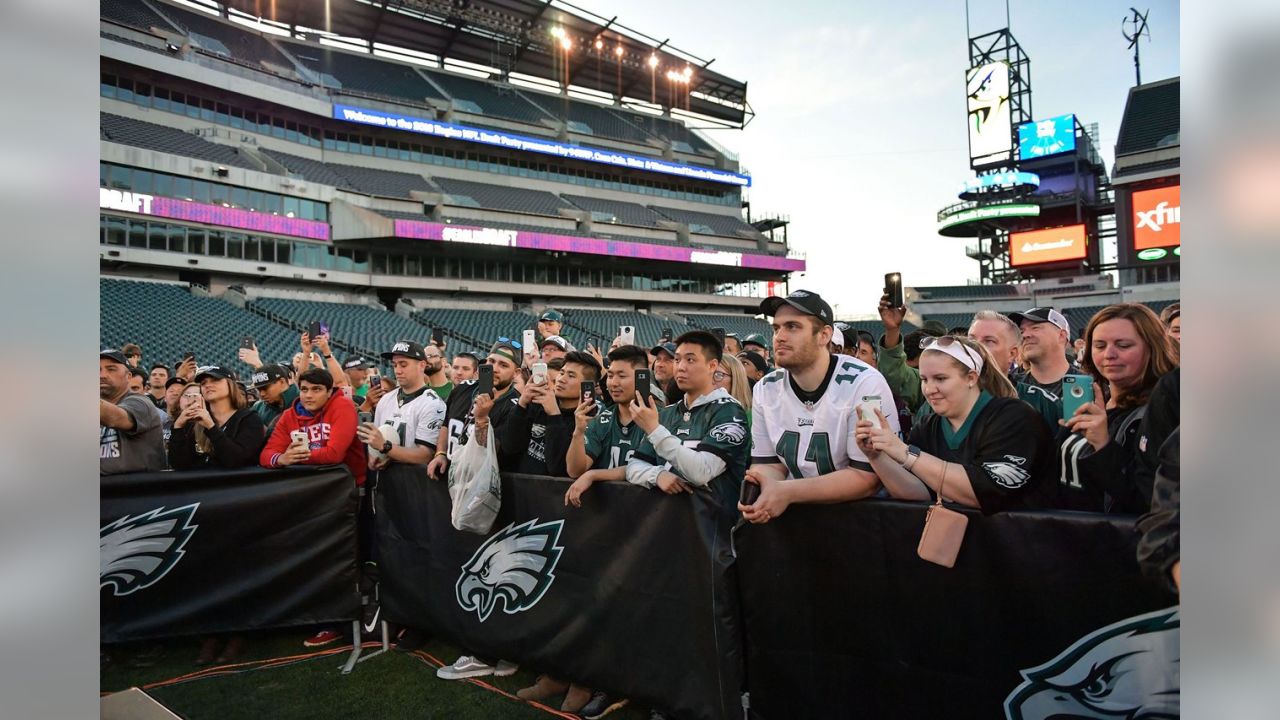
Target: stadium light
[(566, 43), (557, 32), (599, 44), (618, 51), (653, 60)]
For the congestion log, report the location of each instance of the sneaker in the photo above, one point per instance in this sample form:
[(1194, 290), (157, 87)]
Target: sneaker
[(411, 639), (600, 705), (505, 668), (464, 667), (322, 638), (576, 699), (545, 688)]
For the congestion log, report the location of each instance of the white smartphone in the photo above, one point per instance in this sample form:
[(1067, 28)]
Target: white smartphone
[(299, 437), (527, 344), (628, 334)]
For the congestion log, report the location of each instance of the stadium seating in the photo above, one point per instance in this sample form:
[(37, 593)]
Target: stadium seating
[(740, 325), (491, 99), (386, 183), (951, 320), (476, 330), (358, 329), (168, 320), (363, 73), (163, 138), (500, 197), (966, 292), (666, 129), (584, 325), (133, 13), (311, 170), (701, 223), (234, 43), (624, 213), (600, 121)]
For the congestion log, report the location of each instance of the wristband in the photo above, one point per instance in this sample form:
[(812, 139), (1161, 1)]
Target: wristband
[(386, 447), (913, 454), (327, 357)]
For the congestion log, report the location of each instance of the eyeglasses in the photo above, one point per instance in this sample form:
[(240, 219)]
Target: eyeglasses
[(947, 341), (508, 341), (719, 375)]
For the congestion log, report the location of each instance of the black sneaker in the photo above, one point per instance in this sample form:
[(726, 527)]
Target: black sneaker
[(411, 639), (600, 705)]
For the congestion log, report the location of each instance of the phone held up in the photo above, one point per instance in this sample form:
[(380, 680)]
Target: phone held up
[(893, 289), (539, 375), (1077, 390), (484, 383), (316, 329), (627, 333), (588, 395), (246, 343), (643, 380)]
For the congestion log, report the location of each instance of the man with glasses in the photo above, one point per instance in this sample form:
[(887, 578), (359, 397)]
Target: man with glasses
[(437, 378)]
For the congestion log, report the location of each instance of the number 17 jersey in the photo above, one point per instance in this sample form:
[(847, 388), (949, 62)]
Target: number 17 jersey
[(812, 433)]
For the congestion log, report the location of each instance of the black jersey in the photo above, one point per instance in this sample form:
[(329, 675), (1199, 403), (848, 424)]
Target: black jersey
[(1004, 447), (458, 414)]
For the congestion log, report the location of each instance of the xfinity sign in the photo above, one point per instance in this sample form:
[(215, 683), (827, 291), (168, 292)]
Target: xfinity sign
[(1157, 218)]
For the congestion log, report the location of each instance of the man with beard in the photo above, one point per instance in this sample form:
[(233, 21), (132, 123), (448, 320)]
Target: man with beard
[(130, 438), (437, 377)]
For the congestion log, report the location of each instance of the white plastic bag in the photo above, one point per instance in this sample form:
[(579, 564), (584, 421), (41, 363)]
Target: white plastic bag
[(475, 487)]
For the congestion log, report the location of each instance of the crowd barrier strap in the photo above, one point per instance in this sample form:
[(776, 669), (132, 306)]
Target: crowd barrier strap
[(205, 552)]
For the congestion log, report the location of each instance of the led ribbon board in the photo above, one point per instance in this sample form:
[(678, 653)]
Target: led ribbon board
[(423, 126), (991, 212), (1043, 138), (530, 240), (175, 209), (1000, 181)]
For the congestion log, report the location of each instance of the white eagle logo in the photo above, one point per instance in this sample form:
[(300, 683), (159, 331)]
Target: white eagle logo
[(516, 566), (1125, 670), (136, 551), (732, 433), (1010, 474)]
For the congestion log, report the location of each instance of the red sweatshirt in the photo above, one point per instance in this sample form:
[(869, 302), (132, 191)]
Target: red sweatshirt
[(331, 433)]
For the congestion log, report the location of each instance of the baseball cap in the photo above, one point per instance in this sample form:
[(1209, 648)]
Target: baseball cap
[(113, 355), (267, 374), (934, 328), (214, 371), (552, 315), (509, 349), (175, 380), (837, 337), (755, 359), (754, 339), (809, 303), (405, 348), (357, 362), (1041, 315), (558, 342), (668, 348)]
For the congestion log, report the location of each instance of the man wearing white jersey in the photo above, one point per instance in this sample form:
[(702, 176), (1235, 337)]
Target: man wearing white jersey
[(804, 414), (413, 411)]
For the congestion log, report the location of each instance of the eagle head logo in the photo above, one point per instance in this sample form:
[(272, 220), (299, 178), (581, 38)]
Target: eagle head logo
[(1127, 670), (731, 432), (137, 550), (516, 566)]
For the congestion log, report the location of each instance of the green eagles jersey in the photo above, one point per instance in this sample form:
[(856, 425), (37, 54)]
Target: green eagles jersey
[(718, 426), (608, 442)]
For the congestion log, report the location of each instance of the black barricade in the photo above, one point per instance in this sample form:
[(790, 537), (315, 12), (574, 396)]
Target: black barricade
[(631, 593), (186, 553), (843, 620)]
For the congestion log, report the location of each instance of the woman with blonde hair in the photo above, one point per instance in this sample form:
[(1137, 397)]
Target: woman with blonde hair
[(982, 446), (218, 429), (732, 376)]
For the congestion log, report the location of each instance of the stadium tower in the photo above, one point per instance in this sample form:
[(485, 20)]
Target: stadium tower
[(393, 167)]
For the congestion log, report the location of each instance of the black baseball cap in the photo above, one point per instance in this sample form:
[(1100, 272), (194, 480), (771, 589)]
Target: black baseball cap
[(809, 303), (755, 359), (357, 362), (175, 380), (1042, 315), (214, 371), (113, 355), (267, 374), (668, 348), (509, 349), (405, 348)]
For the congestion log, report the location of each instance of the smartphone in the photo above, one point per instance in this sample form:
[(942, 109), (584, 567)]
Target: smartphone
[(666, 335), (539, 376), (589, 394), (298, 437), (867, 408), (484, 383), (749, 493), (893, 288), (366, 417), (317, 329), (719, 333), (628, 334), (437, 336), (189, 355), (529, 341), (642, 385), (1077, 390), (246, 343)]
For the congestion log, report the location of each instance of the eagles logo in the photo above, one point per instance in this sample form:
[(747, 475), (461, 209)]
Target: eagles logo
[(1010, 473), (136, 551), (516, 566), (732, 433), (1125, 670)]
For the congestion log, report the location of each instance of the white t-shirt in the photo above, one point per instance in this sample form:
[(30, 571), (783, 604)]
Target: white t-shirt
[(416, 421), (816, 438)]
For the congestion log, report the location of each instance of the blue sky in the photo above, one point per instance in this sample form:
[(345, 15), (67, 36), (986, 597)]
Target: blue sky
[(859, 132)]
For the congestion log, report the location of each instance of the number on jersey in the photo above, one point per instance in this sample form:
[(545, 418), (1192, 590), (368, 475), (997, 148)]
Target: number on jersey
[(818, 452)]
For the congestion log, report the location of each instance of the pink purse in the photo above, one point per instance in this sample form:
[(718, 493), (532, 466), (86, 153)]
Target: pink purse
[(943, 531)]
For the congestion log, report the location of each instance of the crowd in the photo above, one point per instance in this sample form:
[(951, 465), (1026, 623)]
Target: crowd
[(1011, 412)]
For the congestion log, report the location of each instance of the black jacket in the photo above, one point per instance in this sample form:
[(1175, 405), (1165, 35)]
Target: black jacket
[(236, 443), (1161, 528), (543, 438)]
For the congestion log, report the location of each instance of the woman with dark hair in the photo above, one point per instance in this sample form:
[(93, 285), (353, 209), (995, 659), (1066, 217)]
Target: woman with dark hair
[(1127, 351), (219, 429), (981, 447)]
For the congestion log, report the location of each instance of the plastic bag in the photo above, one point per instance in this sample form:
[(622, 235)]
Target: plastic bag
[(475, 487)]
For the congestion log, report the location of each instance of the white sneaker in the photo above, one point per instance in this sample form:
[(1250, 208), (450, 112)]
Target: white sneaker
[(505, 669), (464, 667)]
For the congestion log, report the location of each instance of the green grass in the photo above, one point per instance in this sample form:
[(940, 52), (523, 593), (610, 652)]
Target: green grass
[(392, 685)]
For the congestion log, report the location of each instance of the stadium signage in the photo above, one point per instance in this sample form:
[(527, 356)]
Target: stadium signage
[(424, 126), (1050, 245), (1000, 181), (990, 122), (1157, 218), (175, 209), (1043, 138), (990, 212), (530, 240)]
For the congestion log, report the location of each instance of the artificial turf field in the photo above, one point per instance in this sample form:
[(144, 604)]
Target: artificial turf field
[(394, 684)]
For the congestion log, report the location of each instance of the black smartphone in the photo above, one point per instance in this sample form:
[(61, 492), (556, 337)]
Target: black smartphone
[(317, 329), (437, 336), (666, 335), (642, 386), (484, 384), (246, 343), (588, 390), (719, 333), (366, 417), (189, 355), (893, 288), (749, 493)]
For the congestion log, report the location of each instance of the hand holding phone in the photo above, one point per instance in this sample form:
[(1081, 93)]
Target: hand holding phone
[(893, 289), (539, 376), (317, 329), (588, 397), (1077, 390), (643, 382), (627, 334), (484, 382), (749, 493)]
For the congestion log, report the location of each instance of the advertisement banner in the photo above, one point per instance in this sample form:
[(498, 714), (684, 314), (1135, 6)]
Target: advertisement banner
[(1157, 218), (990, 121), (1045, 615), (1048, 137), (631, 593), (176, 209), (1049, 245), (204, 552)]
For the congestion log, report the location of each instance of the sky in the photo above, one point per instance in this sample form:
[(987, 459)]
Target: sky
[(859, 135)]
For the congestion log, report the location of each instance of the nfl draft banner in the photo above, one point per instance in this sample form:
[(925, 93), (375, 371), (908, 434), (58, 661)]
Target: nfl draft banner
[(631, 592), (1045, 615), (185, 553)]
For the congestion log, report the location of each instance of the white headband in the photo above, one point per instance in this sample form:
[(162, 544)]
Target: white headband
[(957, 350)]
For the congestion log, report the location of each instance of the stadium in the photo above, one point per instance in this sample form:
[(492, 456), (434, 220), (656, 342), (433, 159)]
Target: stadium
[(398, 169)]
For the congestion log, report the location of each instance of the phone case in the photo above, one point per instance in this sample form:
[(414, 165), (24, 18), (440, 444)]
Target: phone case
[(943, 534)]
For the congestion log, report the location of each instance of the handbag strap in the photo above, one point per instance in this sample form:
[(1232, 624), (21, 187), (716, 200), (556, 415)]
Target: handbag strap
[(942, 484)]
